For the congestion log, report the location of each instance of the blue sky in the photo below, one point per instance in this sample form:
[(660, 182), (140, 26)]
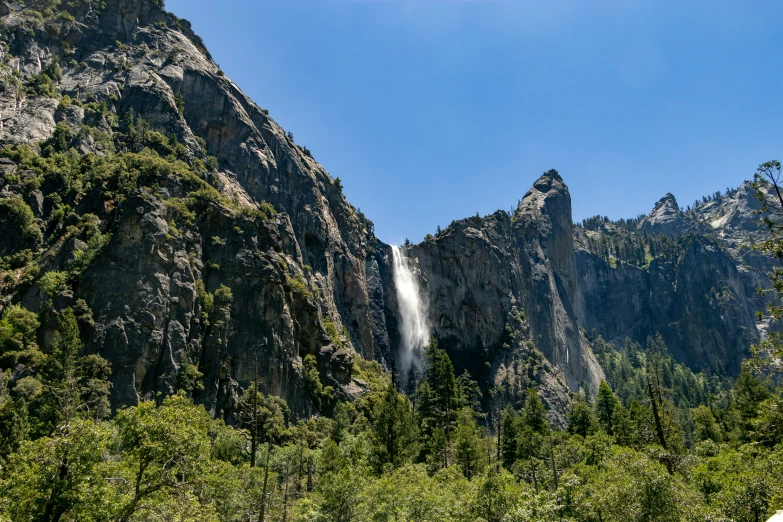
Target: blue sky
[(434, 110)]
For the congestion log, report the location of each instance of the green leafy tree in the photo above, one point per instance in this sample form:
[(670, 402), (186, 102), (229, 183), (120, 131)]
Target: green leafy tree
[(48, 478), (18, 329), (534, 413), (14, 425), (73, 384), (496, 496), (166, 452), (338, 496), (707, 427), (321, 396), (266, 418)]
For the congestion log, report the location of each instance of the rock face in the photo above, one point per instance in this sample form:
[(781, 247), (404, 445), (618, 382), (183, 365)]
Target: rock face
[(237, 255), (291, 278), (700, 295), (502, 285)]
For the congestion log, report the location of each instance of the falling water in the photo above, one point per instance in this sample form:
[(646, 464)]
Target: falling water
[(413, 326)]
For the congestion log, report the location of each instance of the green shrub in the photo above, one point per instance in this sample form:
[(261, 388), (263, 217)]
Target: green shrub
[(21, 217), (332, 332), (178, 212), (299, 285), (52, 283), (179, 100), (321, 396), (223, 297)]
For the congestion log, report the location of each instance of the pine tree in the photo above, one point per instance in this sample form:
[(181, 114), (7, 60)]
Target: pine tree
[(508, 437), (438, 395), (534, 415), (468, 439), (622, 426), (581, 420), (749, 393), (393, 432), (14, 425), (605, 402), (74, 385)]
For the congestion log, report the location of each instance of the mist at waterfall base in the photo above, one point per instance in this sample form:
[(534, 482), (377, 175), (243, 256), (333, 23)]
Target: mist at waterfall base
[(413, 325)]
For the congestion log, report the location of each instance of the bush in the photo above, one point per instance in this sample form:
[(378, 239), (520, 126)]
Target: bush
[(19, 216), (321, 396)]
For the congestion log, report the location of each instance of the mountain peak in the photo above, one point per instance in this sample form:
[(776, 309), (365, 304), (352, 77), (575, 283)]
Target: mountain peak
[(667, 201), (547, 180), (665, 218)]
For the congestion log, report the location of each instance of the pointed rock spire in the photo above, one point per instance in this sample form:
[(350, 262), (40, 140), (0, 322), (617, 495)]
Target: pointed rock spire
[(665, 218)]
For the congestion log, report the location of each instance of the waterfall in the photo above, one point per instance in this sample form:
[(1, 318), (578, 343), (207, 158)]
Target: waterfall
[(413, 326)]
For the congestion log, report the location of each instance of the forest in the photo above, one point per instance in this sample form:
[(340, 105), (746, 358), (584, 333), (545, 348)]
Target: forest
[(657, 443)]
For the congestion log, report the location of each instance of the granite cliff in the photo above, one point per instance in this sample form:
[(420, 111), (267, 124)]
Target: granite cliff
[(691, 276)]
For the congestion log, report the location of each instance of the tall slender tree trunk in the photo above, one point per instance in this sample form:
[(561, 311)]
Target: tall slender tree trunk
[(285, 492), (254, 420), (659, 424), (535, 479), (266, 481), (552, 458)]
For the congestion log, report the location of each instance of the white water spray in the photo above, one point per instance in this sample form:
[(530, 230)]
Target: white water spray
[(413, 326)]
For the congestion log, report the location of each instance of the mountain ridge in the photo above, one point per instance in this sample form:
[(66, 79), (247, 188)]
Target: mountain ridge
[(231, 246)]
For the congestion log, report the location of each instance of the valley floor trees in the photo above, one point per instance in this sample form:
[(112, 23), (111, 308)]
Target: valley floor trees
[(379, 460)]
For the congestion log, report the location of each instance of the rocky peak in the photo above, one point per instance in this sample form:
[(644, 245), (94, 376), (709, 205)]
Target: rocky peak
[(547, 208), (667, 202), (665, 218), (550, 186)]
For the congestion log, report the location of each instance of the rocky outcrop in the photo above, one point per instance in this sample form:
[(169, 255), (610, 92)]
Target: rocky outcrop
[(700, 293), (665, 218), (482, 274)]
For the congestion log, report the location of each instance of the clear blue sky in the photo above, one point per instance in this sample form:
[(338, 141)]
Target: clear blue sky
[(433, 110)]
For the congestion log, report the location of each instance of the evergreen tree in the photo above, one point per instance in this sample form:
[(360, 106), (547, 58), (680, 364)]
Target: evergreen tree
[(508, 437), (73, 384), (468, 438), (14, 425), (706, 426), (469, 393), (534, 414), (437, 395), (266, 419), (605, 402), (393, 431), (749, 392), (581, 420), (623, 428)]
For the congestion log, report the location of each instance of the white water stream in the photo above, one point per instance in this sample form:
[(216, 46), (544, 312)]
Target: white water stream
[(413, 325)]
